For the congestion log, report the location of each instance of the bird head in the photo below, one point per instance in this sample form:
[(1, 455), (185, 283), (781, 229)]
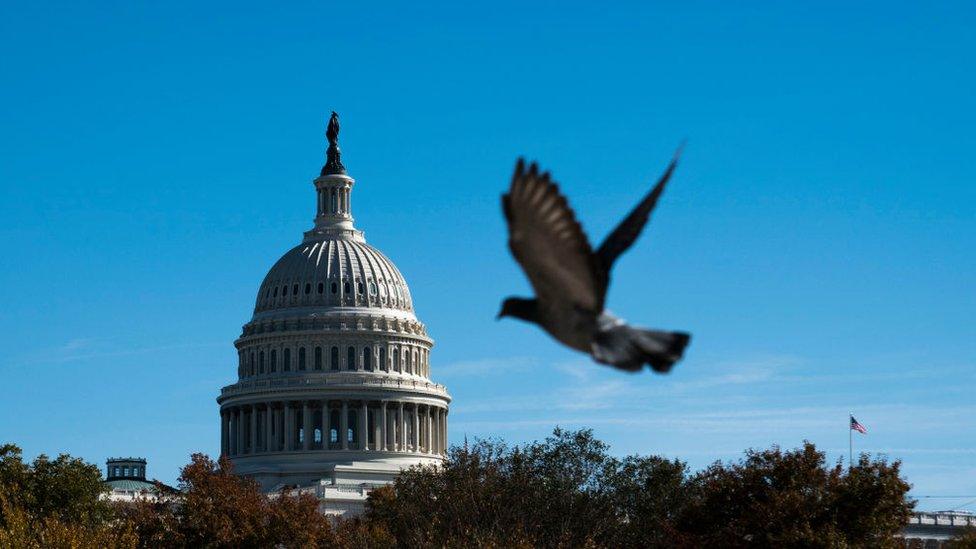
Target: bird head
[(518, 307)]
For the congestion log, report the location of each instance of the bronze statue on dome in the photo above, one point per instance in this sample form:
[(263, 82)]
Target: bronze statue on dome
[(333, 162)]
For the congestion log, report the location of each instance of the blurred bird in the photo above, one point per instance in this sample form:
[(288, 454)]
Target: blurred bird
[(570, 279)]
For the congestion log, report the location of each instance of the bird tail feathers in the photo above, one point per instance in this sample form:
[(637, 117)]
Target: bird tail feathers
[(630, 348)]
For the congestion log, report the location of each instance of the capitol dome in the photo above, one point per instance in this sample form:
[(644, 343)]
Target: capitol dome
[(334, 389), (331, 273)]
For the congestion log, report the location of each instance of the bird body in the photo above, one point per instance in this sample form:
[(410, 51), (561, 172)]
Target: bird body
[(571, 280)]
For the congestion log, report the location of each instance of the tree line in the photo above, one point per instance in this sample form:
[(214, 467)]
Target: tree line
[(564, 491)]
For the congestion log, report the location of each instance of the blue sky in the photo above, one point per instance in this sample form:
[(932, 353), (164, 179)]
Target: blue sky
[(817, 239)]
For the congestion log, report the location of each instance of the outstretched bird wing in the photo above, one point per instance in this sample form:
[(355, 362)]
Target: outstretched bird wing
[(548, 242), (630, 228)]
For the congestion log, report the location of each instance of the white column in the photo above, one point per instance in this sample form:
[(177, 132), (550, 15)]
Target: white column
[(364, 427), (416, 427), (326, 426), (306, 427), (223, 433), (276, 415), (344, 426), (435, 438), (429, 430), (444, 430), (289, 427), (254, 430), (240, 431), (268, 422), (231, 435), (402, 428), (383, 445)]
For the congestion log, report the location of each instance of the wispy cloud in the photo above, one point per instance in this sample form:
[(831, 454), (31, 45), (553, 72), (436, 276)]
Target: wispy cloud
[(82, 349), (486, 367)]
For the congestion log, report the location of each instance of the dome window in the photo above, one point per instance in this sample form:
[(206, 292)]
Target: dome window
[(383, 365), (334, 359), (276, 291), (261, 363), (286, 362), (318, 358), (335, 288), (345, 287), (321, 287), (308, 288), (294, 289), (351, 358), (359, 288), (284, 291), (372, 288), (274, 360), (301, 358), (367, 359)]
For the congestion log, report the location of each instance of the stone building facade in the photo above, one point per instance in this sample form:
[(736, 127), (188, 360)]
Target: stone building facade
[(334, 392)]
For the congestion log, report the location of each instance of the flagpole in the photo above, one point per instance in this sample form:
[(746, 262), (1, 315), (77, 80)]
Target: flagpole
[(850, 442)]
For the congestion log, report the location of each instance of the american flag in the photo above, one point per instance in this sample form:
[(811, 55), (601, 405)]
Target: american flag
[(858, 427)]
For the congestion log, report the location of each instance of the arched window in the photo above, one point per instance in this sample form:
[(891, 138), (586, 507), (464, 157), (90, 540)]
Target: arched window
[(274, 360), (308, 288), (345, 288), (287, 360), (396, 359), (318, 436), (253, 364), (276, 291), (284, 291), (321, 287), (294, 289), (335, 202), (267, 293), (334, 288), (301, 358), (261, 362), (351, 358), (415, 364), (367, 359), (372, 288), (359, 288), (318, 358), (334, 358), (383, 365)]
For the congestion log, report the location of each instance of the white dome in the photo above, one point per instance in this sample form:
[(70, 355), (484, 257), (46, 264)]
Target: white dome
[(333, 372), (330, 273)]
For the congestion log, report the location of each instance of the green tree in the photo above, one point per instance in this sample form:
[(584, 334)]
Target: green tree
[(648, 494), (54, 503)]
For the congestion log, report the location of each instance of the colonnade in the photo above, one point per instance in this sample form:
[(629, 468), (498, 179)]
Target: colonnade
[(334, 201), (354, 356), (350, 424)]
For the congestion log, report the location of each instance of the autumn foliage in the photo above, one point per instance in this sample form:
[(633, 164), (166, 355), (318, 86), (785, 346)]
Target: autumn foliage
[(565, 491)]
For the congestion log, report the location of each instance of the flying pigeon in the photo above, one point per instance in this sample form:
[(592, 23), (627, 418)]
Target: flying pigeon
[(571, 280)]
